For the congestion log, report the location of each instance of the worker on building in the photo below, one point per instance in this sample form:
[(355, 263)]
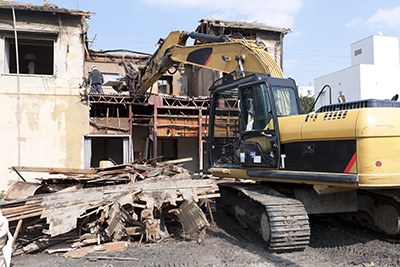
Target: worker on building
[(95, 81)]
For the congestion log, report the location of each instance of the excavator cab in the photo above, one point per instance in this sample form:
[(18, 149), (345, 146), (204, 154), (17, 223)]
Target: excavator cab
[(244, 130)]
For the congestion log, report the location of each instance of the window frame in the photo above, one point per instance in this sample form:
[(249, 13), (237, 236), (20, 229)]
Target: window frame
[(24, 36)]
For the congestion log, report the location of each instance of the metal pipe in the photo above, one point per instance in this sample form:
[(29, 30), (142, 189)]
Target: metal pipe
[(207, 37), (200, 139), (281, 42), (131, 133), (320, 93), (18, 85), (155, 122)]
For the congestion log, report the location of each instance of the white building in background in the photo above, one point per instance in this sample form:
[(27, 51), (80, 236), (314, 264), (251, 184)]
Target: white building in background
[(374, 72), (306, 90)]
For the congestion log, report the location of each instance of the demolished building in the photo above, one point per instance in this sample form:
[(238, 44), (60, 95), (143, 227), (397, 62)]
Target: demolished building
[(172, 122), (53, 122)]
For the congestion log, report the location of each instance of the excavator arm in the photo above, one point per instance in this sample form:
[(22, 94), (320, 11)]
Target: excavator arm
[(222, 54)]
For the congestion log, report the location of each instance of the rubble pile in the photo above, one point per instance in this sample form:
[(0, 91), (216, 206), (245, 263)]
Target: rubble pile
[(137, 201)]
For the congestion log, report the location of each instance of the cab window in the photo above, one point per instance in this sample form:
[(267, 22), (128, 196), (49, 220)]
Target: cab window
[(256, 108), (285, 101)]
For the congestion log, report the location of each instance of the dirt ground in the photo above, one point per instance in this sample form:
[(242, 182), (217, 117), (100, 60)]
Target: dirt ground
[(333, 243)]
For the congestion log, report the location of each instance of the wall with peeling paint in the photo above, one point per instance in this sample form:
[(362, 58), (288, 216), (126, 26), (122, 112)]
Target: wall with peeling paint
[(53, 120)]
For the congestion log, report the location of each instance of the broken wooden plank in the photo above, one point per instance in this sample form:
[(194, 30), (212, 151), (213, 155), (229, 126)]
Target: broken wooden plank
[(210, 211), (68, 206), (174, 161), (25, 216), (100, 126), (72, 188), (84, 242), (115, 227), (202, 196), (176, 168), (54, 170), (134, 230), (154, 172), (16, 232), (71, 205), (191, 217), (17, 172), (20, 209), (109, 172), (45, 242), (103, 248)]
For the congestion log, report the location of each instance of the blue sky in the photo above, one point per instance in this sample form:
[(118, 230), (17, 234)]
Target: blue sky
[(319, 44)]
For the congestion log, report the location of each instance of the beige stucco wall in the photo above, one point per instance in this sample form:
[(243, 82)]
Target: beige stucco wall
[(53, 120)]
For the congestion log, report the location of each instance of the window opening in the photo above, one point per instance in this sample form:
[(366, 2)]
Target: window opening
[(36, 56), (165, 85), (98, 148)]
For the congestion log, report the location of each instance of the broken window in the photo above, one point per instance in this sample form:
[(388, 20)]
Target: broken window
[(165, 85), (106, 147), (35, 56)]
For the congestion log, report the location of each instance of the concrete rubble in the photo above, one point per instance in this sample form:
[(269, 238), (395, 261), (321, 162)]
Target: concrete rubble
[(121, 203)]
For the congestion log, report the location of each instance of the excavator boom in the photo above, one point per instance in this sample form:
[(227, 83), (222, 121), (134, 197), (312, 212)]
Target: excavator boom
[(222, 54)]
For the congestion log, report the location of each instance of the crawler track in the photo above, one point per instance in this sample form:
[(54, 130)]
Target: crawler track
[(282, 221)]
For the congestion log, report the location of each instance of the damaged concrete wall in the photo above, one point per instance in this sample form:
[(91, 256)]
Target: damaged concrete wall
[(203, 79), (272, 43), (53, 121), (268, 37)]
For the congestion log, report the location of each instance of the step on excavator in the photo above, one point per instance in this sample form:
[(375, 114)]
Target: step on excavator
[(341, 158)]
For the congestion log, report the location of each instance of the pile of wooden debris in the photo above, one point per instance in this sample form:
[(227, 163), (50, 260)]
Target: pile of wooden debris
[(91, 207)]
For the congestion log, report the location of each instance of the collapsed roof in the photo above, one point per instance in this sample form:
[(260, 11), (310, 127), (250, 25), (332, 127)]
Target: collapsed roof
[(45, 7), (243, 25)]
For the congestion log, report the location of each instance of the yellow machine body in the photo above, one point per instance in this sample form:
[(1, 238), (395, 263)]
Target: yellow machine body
[(374, 163)]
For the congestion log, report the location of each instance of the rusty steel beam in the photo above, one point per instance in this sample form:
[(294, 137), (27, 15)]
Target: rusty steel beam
[(132, 156), (142, 124), (117, 99), (178, 125), (155, 121), (200, 140)]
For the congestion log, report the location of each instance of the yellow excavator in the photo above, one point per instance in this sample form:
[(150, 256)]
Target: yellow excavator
[(341, 158)]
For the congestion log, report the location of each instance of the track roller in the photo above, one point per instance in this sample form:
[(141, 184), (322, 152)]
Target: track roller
[(281, 221)]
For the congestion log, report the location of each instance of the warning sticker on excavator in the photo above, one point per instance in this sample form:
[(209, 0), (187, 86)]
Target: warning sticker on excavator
[(257, 159), (242, 157)]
